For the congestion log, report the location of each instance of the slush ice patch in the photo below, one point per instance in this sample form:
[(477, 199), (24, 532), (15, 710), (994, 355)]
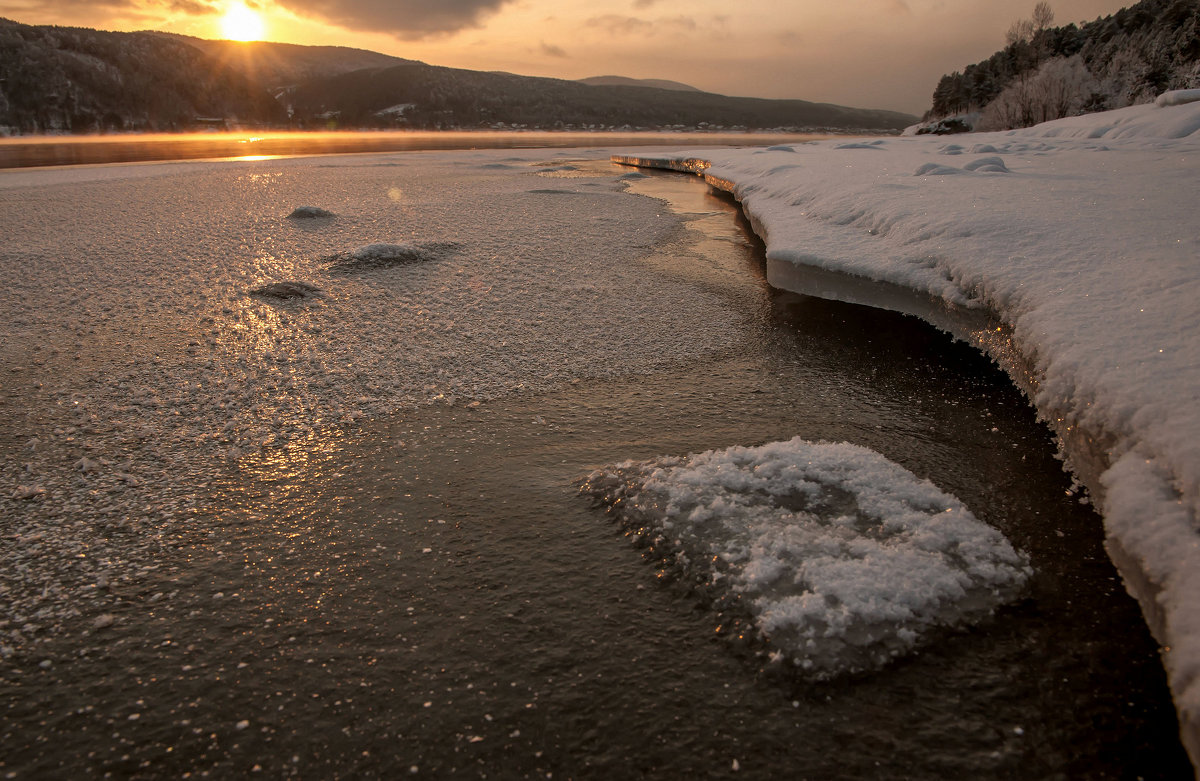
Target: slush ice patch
[(286, 290), (309, 213), (380, 256), (842, 558)]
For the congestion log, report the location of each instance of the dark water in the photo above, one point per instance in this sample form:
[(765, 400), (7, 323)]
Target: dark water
[(31, 151), (428, 594)]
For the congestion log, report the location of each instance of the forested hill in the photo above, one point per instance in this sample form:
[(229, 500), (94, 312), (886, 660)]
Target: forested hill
[(55, 79), (1046, 72), (62, 79), (431, 96)]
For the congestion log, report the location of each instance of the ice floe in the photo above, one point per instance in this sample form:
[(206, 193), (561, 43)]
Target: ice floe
[(843, 558)]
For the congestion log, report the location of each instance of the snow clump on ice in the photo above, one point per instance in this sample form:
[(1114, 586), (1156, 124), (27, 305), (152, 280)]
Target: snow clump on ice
[(843, 558), (286, 290), (310, 213), (377, 256)]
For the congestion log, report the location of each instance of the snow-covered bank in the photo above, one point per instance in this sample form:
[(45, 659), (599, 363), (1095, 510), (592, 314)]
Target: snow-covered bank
[(1080, 238)]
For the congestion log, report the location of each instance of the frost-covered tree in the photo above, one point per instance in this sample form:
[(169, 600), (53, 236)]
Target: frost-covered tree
[(1126, 80), (1061, 87), (1020, 32), (1135, 55), (1043, 17)]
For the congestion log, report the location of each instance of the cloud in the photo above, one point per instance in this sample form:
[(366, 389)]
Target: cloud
[(195, 7), (550, 50), (100, 11), (633, 25), (407, 19)]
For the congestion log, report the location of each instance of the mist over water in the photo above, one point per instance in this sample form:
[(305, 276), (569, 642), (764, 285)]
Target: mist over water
[(32, 151)]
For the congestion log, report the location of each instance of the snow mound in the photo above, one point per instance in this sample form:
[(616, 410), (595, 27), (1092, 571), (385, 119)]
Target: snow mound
[(286, 290), (1176, 117), (843, 558), (987, 165), (379, 256), (1177, 97), (856, 145), (309, 213), (934, 169)]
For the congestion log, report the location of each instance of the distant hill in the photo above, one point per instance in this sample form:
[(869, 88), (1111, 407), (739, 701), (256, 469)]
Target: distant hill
[(64, 79), (431, 96), (625, 81)]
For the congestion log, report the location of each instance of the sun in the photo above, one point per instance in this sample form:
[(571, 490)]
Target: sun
[(241, 23)]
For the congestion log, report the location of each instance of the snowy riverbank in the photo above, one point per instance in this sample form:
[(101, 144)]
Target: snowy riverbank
[(1078, 239)]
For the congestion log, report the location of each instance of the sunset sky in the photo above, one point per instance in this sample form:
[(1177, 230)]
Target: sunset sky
[(868, 53)]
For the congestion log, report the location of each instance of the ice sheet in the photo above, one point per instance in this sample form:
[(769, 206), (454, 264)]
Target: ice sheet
[(162, 321)]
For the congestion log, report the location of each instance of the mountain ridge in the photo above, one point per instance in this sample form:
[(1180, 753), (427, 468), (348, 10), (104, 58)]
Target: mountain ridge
[(625, 81), (79, 80)]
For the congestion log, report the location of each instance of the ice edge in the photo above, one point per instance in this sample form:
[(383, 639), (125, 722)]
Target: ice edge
[(1129, 532)]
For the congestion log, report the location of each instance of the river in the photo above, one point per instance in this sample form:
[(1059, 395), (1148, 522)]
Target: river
[(401, 576)]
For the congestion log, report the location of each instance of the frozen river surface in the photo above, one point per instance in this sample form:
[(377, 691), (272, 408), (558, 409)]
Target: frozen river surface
[(298, 491)]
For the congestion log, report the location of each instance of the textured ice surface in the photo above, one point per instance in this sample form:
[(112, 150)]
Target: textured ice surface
[(844, 558), (133, 339)]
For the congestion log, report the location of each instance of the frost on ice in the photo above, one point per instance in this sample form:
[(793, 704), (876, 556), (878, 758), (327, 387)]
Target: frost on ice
[(843, 558)]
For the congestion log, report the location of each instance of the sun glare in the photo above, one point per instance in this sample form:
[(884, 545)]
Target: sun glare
[(241, 23)]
